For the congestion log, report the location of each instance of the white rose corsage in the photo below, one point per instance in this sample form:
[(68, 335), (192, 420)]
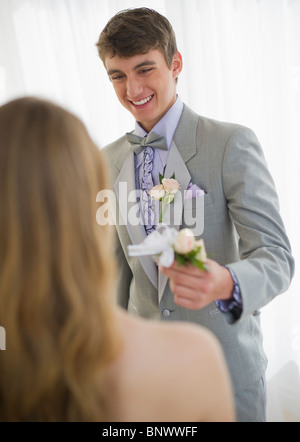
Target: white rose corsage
[(166, 244)]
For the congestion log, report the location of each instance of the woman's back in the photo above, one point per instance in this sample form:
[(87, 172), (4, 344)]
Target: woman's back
[(170, 372)]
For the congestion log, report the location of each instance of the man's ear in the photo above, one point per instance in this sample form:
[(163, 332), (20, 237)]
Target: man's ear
[(177, 64)]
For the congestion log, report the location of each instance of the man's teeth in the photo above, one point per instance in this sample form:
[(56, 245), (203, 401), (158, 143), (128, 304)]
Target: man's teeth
[(145, 100)]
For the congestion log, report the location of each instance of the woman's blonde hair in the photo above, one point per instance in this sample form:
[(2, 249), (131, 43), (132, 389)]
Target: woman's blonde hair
[(56, 267)]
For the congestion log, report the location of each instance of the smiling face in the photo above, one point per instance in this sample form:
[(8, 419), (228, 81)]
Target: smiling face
[(144, 84)]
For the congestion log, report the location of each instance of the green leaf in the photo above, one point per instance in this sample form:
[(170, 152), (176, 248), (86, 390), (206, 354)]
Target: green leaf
[(180, 259), (190, 258), (161, 177)]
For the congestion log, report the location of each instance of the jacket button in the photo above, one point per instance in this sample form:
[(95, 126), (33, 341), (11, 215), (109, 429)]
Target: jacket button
[(166, 312)]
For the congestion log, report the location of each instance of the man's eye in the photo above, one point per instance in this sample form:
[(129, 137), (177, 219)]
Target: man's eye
[(145, 71), (116, 77)]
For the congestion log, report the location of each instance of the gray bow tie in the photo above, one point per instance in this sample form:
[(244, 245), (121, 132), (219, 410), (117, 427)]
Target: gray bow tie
[(151, 140)]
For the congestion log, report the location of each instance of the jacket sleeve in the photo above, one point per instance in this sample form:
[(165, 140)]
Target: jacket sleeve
[(266, 265)]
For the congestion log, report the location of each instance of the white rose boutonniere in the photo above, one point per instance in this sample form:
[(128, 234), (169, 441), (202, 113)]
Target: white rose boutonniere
[(165, 192)]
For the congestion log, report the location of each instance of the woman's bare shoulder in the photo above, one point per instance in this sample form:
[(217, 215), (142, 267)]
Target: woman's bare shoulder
[(176, 365), (171, 346), (180, 334)]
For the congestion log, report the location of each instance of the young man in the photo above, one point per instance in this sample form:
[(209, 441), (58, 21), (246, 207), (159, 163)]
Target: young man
[(243, 231)]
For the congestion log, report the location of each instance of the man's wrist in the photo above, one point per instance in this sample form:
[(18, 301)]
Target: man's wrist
[(234, 304), (227, 288)]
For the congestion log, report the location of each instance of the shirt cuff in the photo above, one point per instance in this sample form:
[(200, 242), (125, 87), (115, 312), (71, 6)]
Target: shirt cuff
[(234, 305)]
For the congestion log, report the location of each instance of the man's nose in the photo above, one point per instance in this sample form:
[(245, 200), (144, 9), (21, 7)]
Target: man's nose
[(134, 88)]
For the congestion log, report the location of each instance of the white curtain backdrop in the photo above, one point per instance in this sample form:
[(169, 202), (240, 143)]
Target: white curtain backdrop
[(241, 64)]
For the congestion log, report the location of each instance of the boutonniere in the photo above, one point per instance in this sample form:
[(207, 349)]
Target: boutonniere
[(166, 244), (165, 192)]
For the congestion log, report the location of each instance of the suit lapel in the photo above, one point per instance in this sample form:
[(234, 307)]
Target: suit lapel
[(182, 149), (186, 134), (176, 166), (125, 191)]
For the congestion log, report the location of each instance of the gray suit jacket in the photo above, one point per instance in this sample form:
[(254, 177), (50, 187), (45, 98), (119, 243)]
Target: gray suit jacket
[(242, 229)]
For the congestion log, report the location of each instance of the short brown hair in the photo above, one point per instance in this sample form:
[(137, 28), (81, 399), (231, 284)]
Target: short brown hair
[(137, 31)]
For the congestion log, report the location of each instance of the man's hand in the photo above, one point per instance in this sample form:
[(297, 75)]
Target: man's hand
[(194, 288)]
